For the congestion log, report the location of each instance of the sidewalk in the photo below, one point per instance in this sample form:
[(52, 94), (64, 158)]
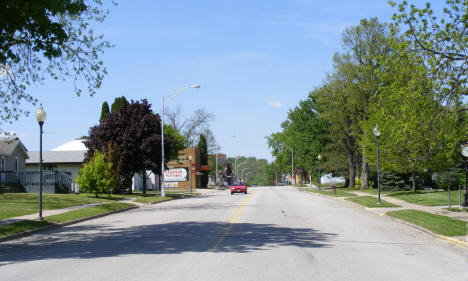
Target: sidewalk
[(46, 213), (438, 210)]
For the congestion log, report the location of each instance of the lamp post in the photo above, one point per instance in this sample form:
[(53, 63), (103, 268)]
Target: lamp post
[(246, 175), (377, 135), (238, 166), (190, 173), (243, 173), (292, 164), (465, 154), (168, 98), (41, 116), (319, 157), (216, 179)]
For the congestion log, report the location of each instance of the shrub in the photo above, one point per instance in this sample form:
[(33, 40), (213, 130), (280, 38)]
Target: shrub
[(95, 176)]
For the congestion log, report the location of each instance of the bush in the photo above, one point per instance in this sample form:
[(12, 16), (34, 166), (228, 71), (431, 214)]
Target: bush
[(394, 182), (95, 176), (446, 179)]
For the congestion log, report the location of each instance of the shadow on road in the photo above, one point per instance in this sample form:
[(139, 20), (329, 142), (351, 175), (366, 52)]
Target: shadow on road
[(94, 241)]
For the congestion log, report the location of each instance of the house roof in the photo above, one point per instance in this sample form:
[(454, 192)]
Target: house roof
[(56, 157), (73, 145), (8, 145)]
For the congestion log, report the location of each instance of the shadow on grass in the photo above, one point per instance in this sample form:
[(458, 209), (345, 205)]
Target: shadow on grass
[(94, 241)]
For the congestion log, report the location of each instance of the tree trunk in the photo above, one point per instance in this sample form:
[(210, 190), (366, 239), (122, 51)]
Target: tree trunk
[(144, 183), (413, 180), (352, 170), (364, 173)]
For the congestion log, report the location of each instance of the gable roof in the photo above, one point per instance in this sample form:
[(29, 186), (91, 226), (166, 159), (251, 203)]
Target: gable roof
[(56, 157), (8, 145), (73, 145)]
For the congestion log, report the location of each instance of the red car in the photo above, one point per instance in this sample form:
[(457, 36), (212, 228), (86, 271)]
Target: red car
[(239, 187)]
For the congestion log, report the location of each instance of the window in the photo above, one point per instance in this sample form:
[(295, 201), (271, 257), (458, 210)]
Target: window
[(16, 164)]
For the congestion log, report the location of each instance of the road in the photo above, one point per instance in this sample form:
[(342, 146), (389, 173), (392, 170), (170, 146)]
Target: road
[(272, 233)]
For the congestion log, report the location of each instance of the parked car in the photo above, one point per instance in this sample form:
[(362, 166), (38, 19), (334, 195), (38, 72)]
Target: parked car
[(239, 187)]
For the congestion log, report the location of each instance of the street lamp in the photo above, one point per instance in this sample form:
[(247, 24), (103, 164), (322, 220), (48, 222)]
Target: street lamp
[(246, 175), (243, 173), (41, 116), (319, 157), (190, 172), (176, 93), (238, 166), (216, 179), (377, 135), (293, 180), (465, 154)]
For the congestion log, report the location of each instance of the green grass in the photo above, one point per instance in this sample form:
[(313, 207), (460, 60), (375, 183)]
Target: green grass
[(370, 202), (456, 209), (428, 198), (436, 223), (18, 204), (21, 226), (339, 193), (153, 199), (26, 225), (87, 212)]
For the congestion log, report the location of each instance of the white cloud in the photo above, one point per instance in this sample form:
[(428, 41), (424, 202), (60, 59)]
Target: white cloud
[(276, 104)]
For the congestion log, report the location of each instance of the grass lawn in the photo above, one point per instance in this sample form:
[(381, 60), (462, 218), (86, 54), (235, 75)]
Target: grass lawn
[(371, 202), (18, 204), (87, 212), (339, 193), (369, 191), (22, 226), (428, 198), (456, 209), (153, 199), (438, 224)]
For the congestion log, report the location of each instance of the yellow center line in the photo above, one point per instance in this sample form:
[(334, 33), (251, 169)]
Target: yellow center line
[(226, 224), (231, 222)]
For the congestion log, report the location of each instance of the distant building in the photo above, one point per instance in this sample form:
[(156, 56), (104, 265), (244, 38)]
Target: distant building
[(67, 158), (13, 155)]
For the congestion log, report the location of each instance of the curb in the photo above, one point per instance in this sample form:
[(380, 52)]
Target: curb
[(453, 241), (57, 225), (447, 239)]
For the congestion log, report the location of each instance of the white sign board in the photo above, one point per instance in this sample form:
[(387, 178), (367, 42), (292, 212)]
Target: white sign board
[(178, 174)]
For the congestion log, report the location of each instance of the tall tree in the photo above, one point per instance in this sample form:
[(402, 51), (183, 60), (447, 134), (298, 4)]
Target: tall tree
[(55, 39), (364, 44), (118, 103), (136, 131), (417, 132), (440, 40), (104, 111), (192, 127), (305, 133), (203, 149)]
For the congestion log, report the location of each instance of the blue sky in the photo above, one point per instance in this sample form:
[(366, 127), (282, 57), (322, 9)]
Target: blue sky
[(254, 61)]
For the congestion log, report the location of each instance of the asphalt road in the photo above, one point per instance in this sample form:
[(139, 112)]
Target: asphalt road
[(272, 233)]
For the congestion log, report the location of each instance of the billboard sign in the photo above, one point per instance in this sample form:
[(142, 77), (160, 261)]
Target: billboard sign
[(176, 174)]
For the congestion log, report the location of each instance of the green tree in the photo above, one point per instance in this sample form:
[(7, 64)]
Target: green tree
[(364, 45), (118, 103), (441, 41), (104, 111), (53, 38), (305, 133), (417, 131), (95, 176), (203, 149)]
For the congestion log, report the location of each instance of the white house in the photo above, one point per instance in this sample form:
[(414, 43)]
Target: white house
[(69, 157)]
